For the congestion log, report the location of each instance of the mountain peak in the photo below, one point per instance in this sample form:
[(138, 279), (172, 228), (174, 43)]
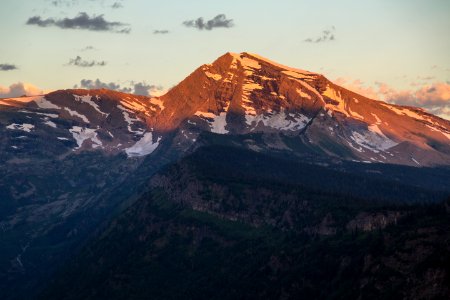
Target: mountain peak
[(251, 59), (244, 93)]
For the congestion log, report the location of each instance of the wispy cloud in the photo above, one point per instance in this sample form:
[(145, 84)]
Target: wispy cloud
[(116, 5), (137, 88), (79, 62), (87, 48), (327, 35), (72, 3), (67, 3), (426, 78), (163, 31), (8, 67), (219, 21), (83, 21)]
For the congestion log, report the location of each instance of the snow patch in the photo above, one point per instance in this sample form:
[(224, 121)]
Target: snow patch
[(203, 114), (294, 70), (404, 112), (330, 112), (50, 123), (373, 139), (88, 99), (447, 135), (80, 134), (76, 114), (219, 123), (355, 114), (133, 105), (280, 120), (311, 89), (144, 146), (124, 109), (414, 160), (378, 120), (130, 121), (24, 127), (44, 103), (213, 76), (296, 74), (53, 116), (303, 94), (335, 95)]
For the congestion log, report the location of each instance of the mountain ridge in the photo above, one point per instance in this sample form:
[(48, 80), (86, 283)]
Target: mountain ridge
[(247, 93)]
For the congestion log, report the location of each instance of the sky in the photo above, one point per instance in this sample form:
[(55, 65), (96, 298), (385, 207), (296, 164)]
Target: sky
[(393, 50)]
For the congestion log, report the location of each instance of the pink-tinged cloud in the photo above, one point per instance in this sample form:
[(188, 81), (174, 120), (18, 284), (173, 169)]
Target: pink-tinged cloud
[(357, 86), (20, 89), (435, 98)]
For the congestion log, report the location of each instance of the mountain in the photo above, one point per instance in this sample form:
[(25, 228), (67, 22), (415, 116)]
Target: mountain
[(75, 160), (241, 94), (245, 93)]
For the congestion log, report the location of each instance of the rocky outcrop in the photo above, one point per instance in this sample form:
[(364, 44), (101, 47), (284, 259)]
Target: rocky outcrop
[(371, 221)]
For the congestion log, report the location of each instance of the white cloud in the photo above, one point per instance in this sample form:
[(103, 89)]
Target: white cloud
[(20, 89)]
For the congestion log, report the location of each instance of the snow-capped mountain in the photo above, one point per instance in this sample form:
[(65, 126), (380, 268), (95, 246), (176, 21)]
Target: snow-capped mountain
[(241, 94)]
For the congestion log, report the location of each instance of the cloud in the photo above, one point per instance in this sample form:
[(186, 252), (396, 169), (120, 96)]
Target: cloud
[(87, 48), (79, 62), (434, 98), (164, 31), (116, 5), (328, 35), (137, 88), (82, 21), (426, 78), (67, 3), (357, 86), (97, 84), (8, 67), (216, 22), (20, 89)]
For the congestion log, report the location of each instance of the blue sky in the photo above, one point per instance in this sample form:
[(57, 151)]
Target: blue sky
[(404, 44)]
